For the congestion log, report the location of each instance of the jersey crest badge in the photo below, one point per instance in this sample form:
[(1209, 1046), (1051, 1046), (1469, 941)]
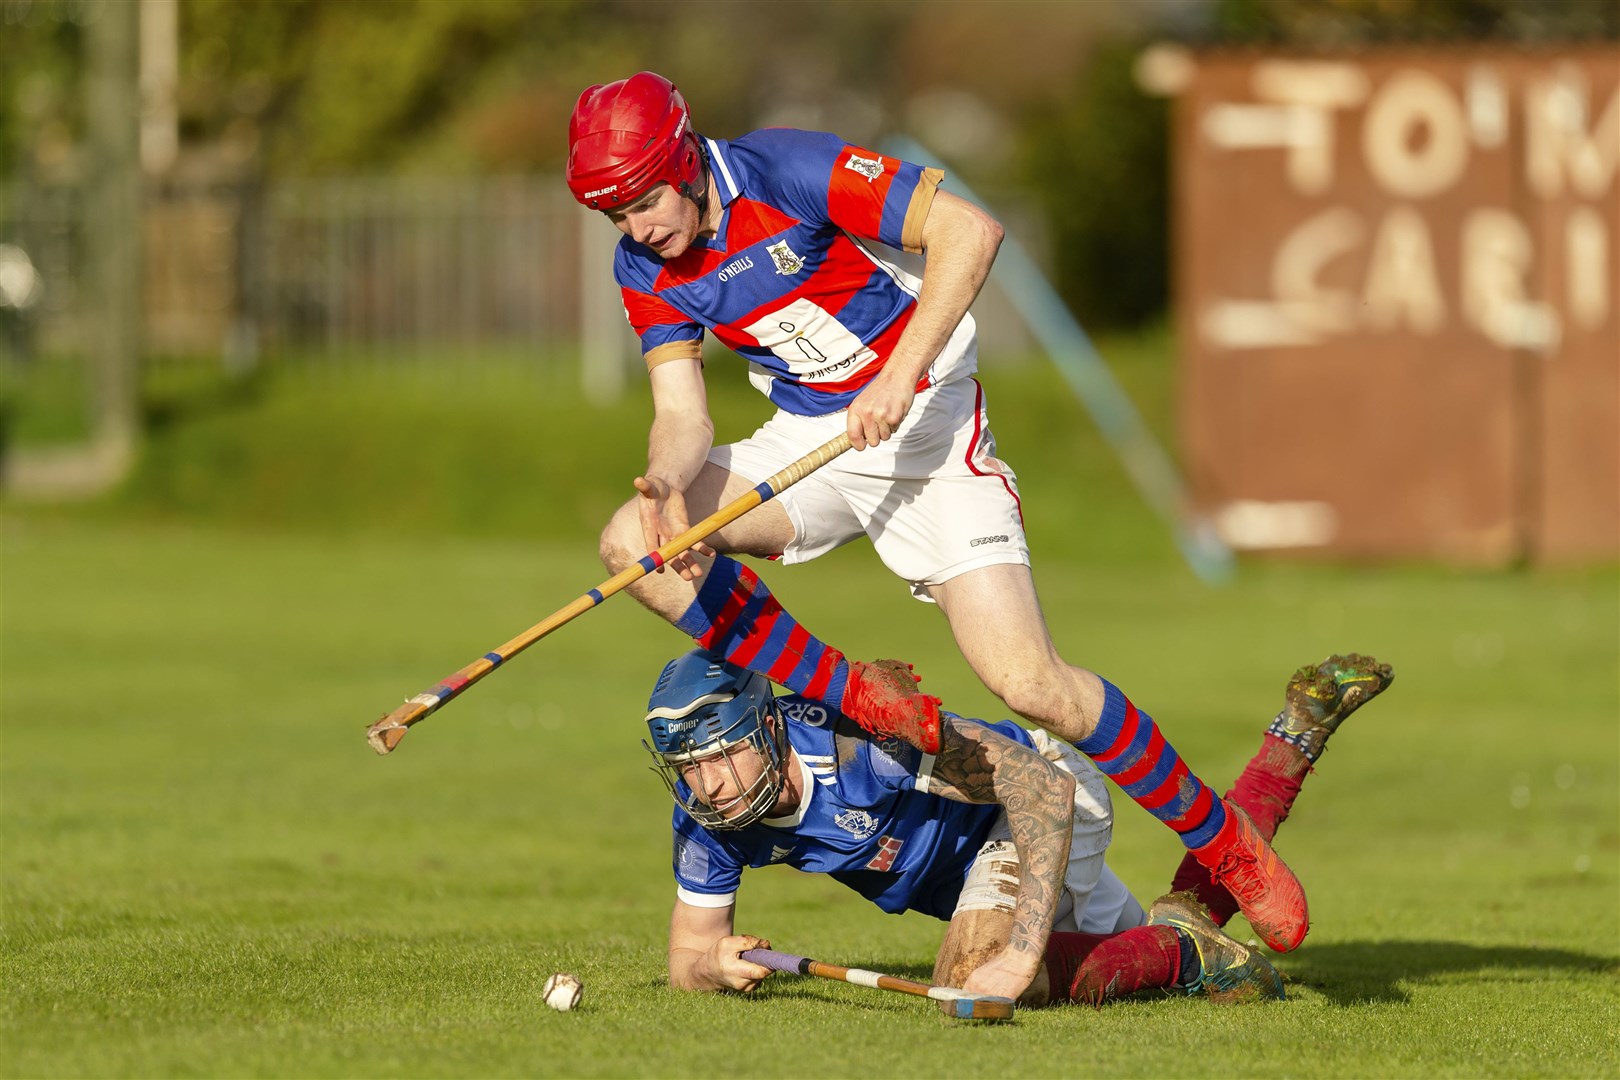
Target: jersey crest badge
[(871, 168), (893, 757), (786, 260), (858, 823), (691, 858)]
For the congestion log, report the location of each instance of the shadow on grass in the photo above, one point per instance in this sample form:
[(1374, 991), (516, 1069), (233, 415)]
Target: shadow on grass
[(1357, 972)]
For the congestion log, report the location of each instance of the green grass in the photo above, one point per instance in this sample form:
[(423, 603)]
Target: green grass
[(205, 872)]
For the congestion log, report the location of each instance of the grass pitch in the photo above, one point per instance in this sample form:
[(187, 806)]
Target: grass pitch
[(206, 872)]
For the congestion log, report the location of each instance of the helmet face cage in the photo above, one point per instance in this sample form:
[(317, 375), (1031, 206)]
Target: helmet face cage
[(752, 732), (704, 714)]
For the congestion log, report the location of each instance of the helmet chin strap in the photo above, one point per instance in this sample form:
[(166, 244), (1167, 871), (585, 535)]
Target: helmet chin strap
[(700, 196)]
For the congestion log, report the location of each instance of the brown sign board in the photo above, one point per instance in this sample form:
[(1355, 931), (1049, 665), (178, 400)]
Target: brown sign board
[(1398, 290)]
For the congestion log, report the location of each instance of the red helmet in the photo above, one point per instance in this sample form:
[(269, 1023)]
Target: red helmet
[(627, 136)]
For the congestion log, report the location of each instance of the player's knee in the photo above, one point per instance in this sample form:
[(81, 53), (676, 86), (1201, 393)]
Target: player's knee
[(1026, 692), (616, 546)]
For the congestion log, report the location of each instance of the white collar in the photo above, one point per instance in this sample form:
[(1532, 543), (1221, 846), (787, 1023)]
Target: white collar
[(807, 787)]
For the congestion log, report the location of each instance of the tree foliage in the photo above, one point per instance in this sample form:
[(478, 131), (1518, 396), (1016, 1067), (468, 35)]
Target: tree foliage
[(1338, 23), (1097, 162), (41, 101), (349, 85)]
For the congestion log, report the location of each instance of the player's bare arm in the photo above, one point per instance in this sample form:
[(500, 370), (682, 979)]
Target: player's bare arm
[(959, 246), (976, 764), (678, 442), (705, 955)]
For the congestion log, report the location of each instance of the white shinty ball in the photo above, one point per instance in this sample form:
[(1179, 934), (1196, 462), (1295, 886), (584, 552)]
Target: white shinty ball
[(562, 991)]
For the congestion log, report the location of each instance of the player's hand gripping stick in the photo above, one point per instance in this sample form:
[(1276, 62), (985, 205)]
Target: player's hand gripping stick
[(386, 733), (952, 1002)]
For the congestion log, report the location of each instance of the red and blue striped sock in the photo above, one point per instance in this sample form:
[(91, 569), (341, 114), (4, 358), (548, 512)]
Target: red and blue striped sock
[(736, 616), (1129, 748)]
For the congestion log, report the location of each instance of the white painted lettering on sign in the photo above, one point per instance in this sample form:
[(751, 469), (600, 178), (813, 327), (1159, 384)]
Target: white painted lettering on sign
[(1351, 267)]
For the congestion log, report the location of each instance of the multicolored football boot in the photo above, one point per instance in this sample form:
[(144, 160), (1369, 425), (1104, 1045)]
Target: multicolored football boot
[(1322, 696), (1230, 973)]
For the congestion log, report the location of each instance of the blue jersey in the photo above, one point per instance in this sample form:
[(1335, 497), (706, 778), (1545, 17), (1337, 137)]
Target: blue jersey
[(867, 818), (791, 281)]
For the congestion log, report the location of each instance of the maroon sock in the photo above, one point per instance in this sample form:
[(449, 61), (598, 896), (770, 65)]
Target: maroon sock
[(1265, 790), (1095, 968)]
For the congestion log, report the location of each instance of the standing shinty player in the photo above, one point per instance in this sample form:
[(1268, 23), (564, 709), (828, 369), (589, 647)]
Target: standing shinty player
[(1003, 832), (773, 242)]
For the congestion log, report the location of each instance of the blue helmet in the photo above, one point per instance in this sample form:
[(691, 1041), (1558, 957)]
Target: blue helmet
[(704, 709)]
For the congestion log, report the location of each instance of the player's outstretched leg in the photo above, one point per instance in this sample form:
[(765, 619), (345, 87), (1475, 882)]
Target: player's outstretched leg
[(736, 615), (1229, 972), (1319, 698), (1130, 749), (1181, 949)]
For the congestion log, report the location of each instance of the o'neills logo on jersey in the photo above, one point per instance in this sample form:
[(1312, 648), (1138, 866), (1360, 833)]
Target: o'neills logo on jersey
[(602, 191), (735, 267), (871, 168), (786, 260)]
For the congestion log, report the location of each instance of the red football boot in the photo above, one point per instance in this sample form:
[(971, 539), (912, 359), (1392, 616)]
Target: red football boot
[(1267, 892), (882, 697)]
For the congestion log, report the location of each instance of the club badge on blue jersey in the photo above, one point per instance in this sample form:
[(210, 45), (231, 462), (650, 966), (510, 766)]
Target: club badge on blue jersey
[(858, 823)]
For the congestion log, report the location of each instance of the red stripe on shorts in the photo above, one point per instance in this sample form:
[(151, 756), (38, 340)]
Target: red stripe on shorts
[(973, 448)]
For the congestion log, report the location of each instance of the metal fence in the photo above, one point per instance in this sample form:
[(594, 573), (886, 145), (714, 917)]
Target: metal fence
[(354, 264), (339, 271), (41, 260)]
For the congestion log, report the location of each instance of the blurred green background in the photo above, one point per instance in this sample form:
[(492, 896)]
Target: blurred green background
[(368, 443)]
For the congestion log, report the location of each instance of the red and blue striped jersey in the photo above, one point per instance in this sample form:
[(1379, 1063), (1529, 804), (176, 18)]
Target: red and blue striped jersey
[(792, 280)]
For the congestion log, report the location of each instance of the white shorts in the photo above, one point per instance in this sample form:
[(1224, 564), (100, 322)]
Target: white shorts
[(1094, 900), (934, 498)]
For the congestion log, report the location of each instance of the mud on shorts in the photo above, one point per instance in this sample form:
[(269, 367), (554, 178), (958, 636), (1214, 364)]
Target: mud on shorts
[(934, 498), (1093, 901)]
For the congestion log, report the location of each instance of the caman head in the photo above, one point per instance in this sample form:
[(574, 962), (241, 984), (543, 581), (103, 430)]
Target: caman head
[(706, 718)]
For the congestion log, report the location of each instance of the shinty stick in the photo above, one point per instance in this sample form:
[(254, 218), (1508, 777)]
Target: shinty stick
[(952, 1002), (386, 733)]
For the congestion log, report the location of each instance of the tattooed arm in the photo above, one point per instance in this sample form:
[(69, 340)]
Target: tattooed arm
[(979, 765)]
